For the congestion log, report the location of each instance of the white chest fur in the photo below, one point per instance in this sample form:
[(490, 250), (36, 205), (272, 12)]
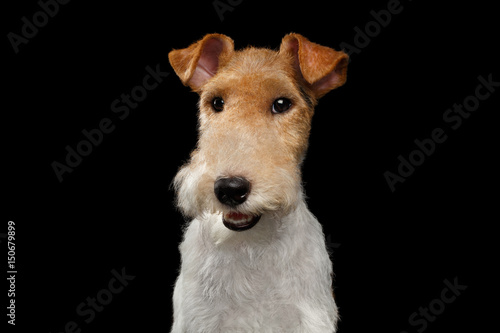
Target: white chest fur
[(275, 277)]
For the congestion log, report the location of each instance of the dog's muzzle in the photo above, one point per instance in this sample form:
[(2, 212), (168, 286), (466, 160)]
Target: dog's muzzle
[(233, 191)]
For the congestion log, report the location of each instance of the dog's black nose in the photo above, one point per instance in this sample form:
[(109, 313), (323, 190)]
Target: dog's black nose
[(232, 191)]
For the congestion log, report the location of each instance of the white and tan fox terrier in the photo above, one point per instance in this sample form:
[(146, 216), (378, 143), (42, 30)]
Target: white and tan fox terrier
[(254, 257)]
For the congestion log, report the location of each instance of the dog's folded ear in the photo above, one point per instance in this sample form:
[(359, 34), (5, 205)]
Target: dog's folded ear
[(196, 64), (321, 67)]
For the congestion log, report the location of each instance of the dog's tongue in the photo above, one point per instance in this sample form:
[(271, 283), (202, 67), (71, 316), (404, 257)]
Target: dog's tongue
[(235, 216)]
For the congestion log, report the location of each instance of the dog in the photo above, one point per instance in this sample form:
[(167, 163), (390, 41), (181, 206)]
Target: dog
[(254, 257)]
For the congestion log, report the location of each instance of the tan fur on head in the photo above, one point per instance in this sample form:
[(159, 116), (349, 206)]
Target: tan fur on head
[(246, 139)]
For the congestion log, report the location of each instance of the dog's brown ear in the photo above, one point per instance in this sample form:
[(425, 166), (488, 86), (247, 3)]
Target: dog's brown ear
[(321, 67), (196, 64)]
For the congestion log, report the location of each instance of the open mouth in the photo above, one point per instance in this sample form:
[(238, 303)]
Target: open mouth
[(238, 221)]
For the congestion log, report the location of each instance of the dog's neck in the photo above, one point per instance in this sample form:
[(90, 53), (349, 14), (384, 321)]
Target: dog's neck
[(272, 225)]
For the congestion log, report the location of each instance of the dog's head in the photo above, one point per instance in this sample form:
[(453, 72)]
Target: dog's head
[(255, 116)]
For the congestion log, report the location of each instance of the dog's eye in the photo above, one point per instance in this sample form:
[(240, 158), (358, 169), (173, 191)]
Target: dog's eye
[(281, 105), (218, 104)]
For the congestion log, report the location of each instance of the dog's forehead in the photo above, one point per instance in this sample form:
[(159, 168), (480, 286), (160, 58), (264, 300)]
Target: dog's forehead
[(254, 69), (255, 56), (258, 60)]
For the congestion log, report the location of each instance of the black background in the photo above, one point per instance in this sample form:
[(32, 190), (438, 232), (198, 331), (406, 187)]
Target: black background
[(391, 250)]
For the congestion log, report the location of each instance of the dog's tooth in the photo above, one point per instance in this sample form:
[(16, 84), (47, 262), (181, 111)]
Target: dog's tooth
[(238, 218)]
